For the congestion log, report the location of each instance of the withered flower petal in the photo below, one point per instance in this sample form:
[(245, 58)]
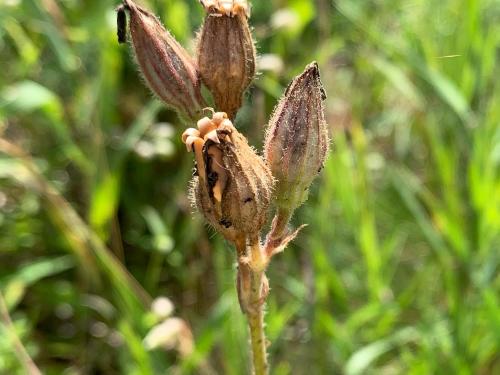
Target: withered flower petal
[(297, 139), (226, 53), (167, 67)]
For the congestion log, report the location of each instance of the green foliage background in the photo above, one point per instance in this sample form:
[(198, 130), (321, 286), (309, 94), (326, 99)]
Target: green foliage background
[(398, 270)]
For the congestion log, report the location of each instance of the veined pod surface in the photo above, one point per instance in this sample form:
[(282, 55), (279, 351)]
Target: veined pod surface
[(226, 53), (233, 186), (167, 67), (297, 138)]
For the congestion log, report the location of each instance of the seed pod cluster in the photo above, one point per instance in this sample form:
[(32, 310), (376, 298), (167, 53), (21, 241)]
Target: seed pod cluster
[(297, 139), (226, 53), (233, 186), (167, 67)]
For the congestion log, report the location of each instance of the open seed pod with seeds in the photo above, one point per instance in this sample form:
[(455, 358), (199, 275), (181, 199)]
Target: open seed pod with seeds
[(234, 188)]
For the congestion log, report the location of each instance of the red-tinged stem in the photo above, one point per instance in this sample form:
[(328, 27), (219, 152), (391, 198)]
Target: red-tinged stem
[(279, 227)]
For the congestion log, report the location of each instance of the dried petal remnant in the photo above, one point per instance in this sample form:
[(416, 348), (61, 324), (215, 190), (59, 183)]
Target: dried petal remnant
[(226, 53), (233, 186), (167, 67), (297, 139), (227, 7)]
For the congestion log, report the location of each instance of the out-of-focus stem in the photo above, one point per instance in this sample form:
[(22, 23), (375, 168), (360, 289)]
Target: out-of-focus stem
[(21, 353), (85, 243)]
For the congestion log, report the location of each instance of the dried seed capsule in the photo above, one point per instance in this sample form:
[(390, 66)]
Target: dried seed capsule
[(226, 53), (297, 140), (167, 67), (233, 186)]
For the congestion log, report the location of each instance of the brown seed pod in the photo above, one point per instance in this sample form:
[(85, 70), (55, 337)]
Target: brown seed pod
[(233, 187), (226, 53), (167, 67), (297, 139)]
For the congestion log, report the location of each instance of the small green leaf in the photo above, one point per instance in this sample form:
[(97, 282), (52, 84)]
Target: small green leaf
[(162, 241), (361, 360), (27, 96), (104, 201), (27, 275)]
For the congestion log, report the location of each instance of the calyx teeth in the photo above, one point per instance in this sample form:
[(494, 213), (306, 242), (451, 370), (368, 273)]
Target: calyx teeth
[(225, 124), (190, 132), (218, 117), (205, 125), (190, 141), (212, 135)]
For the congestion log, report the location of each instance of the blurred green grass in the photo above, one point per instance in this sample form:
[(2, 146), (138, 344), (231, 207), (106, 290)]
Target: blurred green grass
[(398, 270)]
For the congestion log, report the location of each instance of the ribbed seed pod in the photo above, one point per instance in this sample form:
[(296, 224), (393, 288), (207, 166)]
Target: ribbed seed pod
[(234, 185), (297, 139), (167, 67), (226, 53)]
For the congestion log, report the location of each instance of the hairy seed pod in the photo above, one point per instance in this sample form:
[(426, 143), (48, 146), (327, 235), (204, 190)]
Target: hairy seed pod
[(167, 67), (297, 139), (233, 186), (226, 53)]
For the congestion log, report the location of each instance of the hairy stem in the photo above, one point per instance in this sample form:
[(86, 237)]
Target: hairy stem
[(256, 324), (252, 289)]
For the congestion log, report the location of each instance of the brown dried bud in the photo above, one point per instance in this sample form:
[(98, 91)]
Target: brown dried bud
[(233, 184), (226, 53), (297, 140), (167, 67), (121, 24)]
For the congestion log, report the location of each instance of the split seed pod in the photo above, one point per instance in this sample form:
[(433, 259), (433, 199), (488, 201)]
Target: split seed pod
[(226, 53), (297, 139), (233, 186), (167, 67)]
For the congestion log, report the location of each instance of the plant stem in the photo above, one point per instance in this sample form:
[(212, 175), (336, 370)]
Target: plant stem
[(256, 324), (280, 223), (255, 311)]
